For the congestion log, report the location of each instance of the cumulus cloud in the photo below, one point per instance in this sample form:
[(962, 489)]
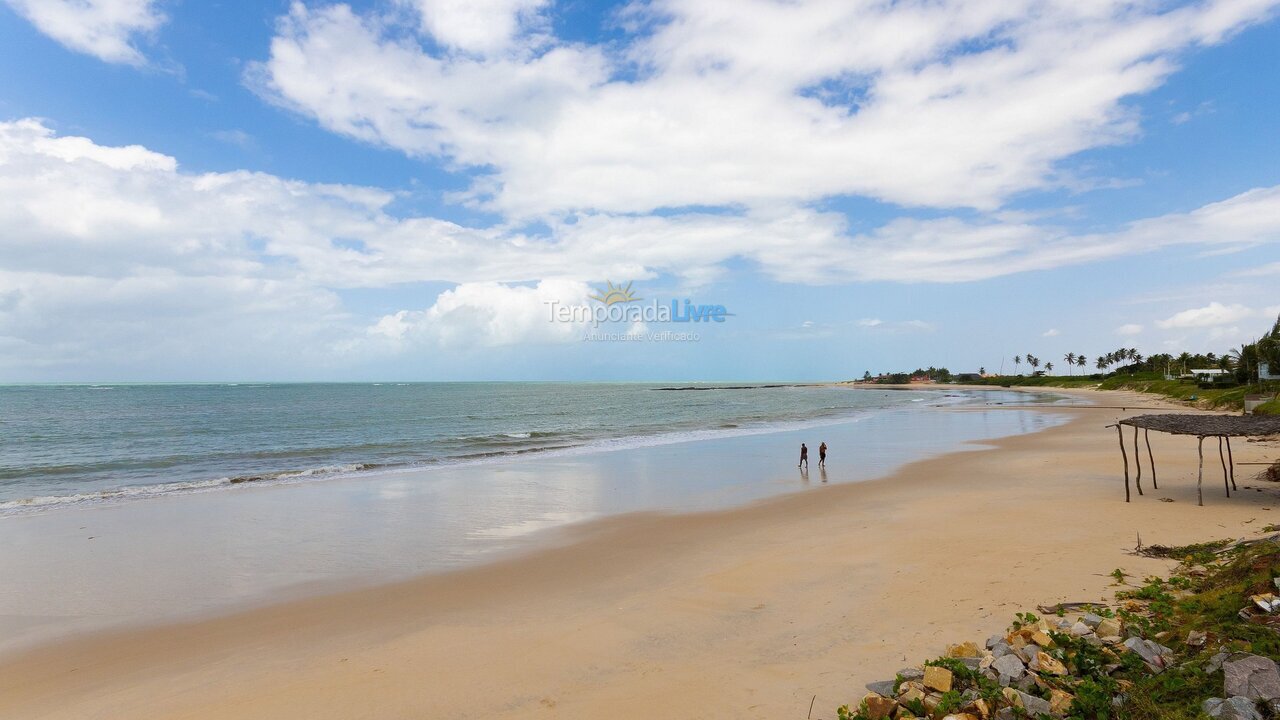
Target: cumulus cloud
[(488, 314), (106, 29), (1051, 332), (1129, 329), (938, 104), (129, 223), (1214, 314)]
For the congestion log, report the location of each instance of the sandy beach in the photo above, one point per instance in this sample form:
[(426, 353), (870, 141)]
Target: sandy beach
[(753, 612)]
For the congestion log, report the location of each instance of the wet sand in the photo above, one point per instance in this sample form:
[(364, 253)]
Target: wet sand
[(751, 612)]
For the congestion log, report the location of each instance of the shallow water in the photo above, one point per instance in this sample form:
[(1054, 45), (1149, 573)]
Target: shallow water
[(170, 556)]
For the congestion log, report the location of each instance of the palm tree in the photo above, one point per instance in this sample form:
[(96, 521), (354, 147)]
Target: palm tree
[(1034, 362), (982, 371), (1017, 363), (1071, 361), (1081, 360), (1048, 367), (1102, 362)]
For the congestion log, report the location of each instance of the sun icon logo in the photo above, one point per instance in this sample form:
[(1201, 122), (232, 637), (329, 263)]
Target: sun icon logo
[(615, 294)]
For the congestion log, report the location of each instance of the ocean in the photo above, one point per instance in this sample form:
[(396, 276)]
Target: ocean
[(76, 444)]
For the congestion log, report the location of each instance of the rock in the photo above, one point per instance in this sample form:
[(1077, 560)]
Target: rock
[(1008, 666), (994, 640), (1111, 639), (986, 661), (1005, 713), (973, 663), (1196, 638), (1093, 621), (937, 678), (1027, 682), (1267, 602), (1001, 648), (878, 707), (910, 694), (981, 707), (911, 673), (1049, 664), (1028, 653), (1155, 655), (1235, 708), (1215, 662), (964, 650), (1041, 638), (1080, 629), (1060, 701), (931, 701), (1032, 704), (959, 716), (1108, 627), (1251, 676), (883, 687)]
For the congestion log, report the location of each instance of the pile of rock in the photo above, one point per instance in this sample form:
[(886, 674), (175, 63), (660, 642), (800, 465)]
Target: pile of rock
[(1248, 681), (1021, 673)]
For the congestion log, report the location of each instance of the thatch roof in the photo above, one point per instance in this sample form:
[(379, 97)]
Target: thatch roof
[(1208, 425)]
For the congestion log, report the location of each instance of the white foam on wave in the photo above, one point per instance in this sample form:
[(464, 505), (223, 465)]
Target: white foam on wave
[(334, 472)]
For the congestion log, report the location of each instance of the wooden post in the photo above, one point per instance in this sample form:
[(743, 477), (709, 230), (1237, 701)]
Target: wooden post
[(1223, 458), (1231, 463), (1146, 435), (1125, 457), (1200, 477), (1137, 460)]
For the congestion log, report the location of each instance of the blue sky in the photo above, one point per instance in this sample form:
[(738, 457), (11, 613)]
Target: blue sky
[(396, 190)]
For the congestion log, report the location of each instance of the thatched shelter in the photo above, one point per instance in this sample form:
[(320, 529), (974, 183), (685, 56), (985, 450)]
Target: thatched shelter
[(1223, 427)]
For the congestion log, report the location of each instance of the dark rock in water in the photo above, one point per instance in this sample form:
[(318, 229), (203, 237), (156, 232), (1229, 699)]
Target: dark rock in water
[(883, 687), (1251, 676), (1235, 708)]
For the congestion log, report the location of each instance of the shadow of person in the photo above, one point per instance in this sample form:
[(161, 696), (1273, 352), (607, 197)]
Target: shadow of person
[(804, 474), (823, 469)]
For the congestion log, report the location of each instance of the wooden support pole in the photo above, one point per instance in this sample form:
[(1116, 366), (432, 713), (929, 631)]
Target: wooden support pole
[(1125, 457), (1137, 460), (1200, 476), (1146, 435), (1231, 463), (1223, 459)]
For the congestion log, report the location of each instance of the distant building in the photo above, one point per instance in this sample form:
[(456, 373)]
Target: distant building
[(1264, 372)]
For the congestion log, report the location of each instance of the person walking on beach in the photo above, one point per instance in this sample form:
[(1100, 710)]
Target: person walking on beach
[(822, 455), (804, 457)]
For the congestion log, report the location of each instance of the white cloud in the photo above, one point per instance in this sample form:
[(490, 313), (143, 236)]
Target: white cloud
[(488, 314), (1129, 329), (941, 104), (1051, 332), (481, 26), (106, 29), (1214, 313), (90, 229)]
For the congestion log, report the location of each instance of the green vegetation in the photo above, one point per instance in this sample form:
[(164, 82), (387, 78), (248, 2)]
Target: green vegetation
[(1128, 369), (1195, 613), (1185, 390), (1268, 408)]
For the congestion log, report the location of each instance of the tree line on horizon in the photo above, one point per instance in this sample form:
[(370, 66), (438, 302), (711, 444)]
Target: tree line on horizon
[(1241, 362)]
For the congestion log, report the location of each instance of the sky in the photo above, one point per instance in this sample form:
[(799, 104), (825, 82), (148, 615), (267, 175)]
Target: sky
[(407, 189)]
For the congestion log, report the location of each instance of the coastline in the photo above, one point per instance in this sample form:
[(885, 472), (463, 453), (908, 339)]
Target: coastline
[(753, 610)]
